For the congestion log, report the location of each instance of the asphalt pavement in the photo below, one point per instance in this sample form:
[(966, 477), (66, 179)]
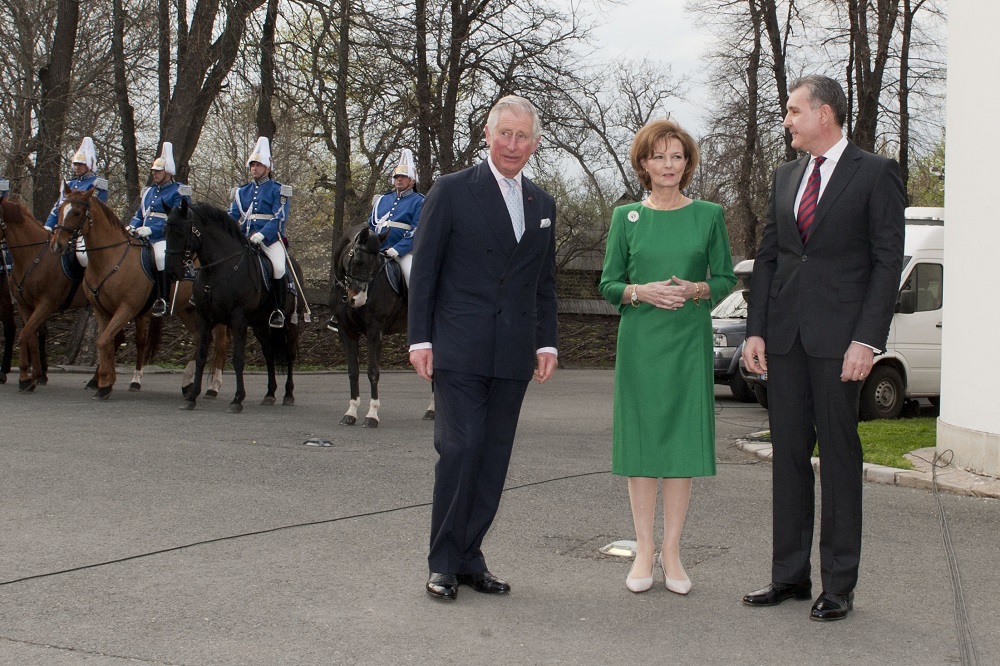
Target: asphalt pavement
[(136, 533)]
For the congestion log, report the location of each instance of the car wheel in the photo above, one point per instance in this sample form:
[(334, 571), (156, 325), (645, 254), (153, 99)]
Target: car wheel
[(882, 394), (741, 390), (935, 400), (760, 392)]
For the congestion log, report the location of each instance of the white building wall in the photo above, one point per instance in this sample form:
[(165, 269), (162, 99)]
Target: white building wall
[(969, 424)]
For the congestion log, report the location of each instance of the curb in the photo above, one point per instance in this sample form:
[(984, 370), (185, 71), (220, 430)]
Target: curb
[(949, 478)]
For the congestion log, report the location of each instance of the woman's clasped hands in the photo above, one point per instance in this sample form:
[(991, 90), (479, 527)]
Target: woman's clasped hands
[(667, 294)]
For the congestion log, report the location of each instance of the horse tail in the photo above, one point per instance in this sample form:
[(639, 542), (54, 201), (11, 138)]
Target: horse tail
[(153, 340)]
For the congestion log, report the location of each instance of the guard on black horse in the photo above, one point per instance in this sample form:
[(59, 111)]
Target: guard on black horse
[(396, 214), (261, 207), (149, 220)]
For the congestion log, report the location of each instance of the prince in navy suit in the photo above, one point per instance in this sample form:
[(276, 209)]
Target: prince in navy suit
[(482, 322)]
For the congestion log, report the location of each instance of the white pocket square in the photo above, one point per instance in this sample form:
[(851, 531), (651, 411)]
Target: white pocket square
[(545, 223)]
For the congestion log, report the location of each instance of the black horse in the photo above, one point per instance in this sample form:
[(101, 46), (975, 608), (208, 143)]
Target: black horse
[(364, 303), (230, 289)]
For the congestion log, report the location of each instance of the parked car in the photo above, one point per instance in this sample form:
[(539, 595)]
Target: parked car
[(910, 367), (729, 326)]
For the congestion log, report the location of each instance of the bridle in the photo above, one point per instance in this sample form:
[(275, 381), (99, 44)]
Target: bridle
[(350, 276), (192, 234), (88, 219)]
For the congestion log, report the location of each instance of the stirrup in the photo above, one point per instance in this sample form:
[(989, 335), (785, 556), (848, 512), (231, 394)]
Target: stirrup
[(332, 325), (159, 308), (277, 319)]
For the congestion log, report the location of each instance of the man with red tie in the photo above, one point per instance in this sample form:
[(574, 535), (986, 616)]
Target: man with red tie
[(821, 300)]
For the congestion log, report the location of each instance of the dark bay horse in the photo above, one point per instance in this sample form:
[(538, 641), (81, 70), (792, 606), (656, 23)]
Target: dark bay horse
[(114, 282), (39, 285), (365, 304), (231, 289)]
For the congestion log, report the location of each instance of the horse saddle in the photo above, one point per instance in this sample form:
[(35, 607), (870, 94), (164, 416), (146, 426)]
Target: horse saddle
[(268, 272), (148, 261), (71, 268), (395, 276)]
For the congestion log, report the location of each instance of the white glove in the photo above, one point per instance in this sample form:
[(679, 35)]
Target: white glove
[(257, 238), (142, 232), (392, 252)]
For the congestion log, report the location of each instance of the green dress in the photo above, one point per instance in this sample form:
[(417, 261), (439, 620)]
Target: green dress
[(664, 416)]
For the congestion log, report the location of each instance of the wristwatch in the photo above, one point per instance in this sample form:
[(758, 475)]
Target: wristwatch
[(634, 298)]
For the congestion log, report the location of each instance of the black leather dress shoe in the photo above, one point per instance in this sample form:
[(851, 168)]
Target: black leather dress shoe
[(443, 586), (830, 607), (775, 593), (484, 582)]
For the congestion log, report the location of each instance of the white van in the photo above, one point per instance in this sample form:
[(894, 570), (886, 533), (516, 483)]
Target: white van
[(911, 365)]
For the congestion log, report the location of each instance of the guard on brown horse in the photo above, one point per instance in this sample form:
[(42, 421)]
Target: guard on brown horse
[(39, 284), (115, 282)]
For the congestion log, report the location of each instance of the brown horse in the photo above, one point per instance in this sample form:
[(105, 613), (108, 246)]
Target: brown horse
[(114, 281), (38, 284)]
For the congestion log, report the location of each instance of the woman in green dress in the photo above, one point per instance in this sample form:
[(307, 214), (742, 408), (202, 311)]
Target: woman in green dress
[(659, 253)]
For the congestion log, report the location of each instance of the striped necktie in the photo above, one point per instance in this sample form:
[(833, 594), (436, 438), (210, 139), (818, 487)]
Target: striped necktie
[(810, 197), (515, 206)]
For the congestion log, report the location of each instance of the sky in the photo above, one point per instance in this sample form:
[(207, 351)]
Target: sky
[(663, 31)]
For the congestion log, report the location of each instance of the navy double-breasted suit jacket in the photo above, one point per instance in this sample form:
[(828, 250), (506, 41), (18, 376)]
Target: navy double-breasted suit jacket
[(485, 301)]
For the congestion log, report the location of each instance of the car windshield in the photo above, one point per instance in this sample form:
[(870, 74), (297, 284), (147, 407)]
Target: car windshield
[(733, 306)]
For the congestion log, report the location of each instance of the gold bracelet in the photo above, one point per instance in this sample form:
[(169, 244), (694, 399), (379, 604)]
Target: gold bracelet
[(634, 299), (697, 296)]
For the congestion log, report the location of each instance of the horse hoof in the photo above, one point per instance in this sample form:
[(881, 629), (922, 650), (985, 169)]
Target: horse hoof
[(103, 393), (268, 400), (91, 385), (3, 378), (43, 380), (26, 386), (211, 394), (235, 407), (187, 406), (429, 415), (348, 420), (186, 389), (134, 386), (370, 423), (288, 401)]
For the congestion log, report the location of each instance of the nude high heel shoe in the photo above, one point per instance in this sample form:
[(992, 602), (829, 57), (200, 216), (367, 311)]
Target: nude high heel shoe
[(639, 584), (680, 587)]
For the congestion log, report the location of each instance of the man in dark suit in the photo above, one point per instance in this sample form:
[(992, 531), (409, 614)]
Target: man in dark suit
[(822, 295), (482, 321)]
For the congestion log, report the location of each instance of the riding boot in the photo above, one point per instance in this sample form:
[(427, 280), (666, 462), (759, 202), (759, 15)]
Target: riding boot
[(162, 289), (280, 288)]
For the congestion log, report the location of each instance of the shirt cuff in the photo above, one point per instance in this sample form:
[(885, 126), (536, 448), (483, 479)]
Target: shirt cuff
[(874, 349), (548, 350), (420, 345)]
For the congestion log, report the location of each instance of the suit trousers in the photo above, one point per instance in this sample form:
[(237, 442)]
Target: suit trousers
[(474, 426), (808, 402)]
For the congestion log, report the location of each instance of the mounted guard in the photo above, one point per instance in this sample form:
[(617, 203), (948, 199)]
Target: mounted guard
[(261, 207), (148, 221), (84, 167)]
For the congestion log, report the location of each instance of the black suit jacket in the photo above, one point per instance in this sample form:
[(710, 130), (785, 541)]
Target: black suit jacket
[(840, 286), (484, 301)]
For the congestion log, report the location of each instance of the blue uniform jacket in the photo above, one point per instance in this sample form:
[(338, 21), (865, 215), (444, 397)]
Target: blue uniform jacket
[(152, 211), (404, 210), (259, 206), (82, 184)]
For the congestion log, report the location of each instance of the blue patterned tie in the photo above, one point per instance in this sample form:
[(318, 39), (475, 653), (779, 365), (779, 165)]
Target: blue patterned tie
[(810, 197), (512, 197)]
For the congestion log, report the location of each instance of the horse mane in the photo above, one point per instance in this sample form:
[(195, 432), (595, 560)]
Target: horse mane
[(17, 211), (111, 216), (217, 217)]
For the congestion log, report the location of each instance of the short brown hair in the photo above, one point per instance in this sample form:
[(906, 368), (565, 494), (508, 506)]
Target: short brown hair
[(644, 145)]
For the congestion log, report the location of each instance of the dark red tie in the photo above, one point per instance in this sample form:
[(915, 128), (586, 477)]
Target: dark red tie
[(807, 207)]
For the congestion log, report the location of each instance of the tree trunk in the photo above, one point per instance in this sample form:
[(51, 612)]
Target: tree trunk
[(265, 119), (769, 12), (55, 78), (746, 219), (342, 132), (425, 114), (130, 155)]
